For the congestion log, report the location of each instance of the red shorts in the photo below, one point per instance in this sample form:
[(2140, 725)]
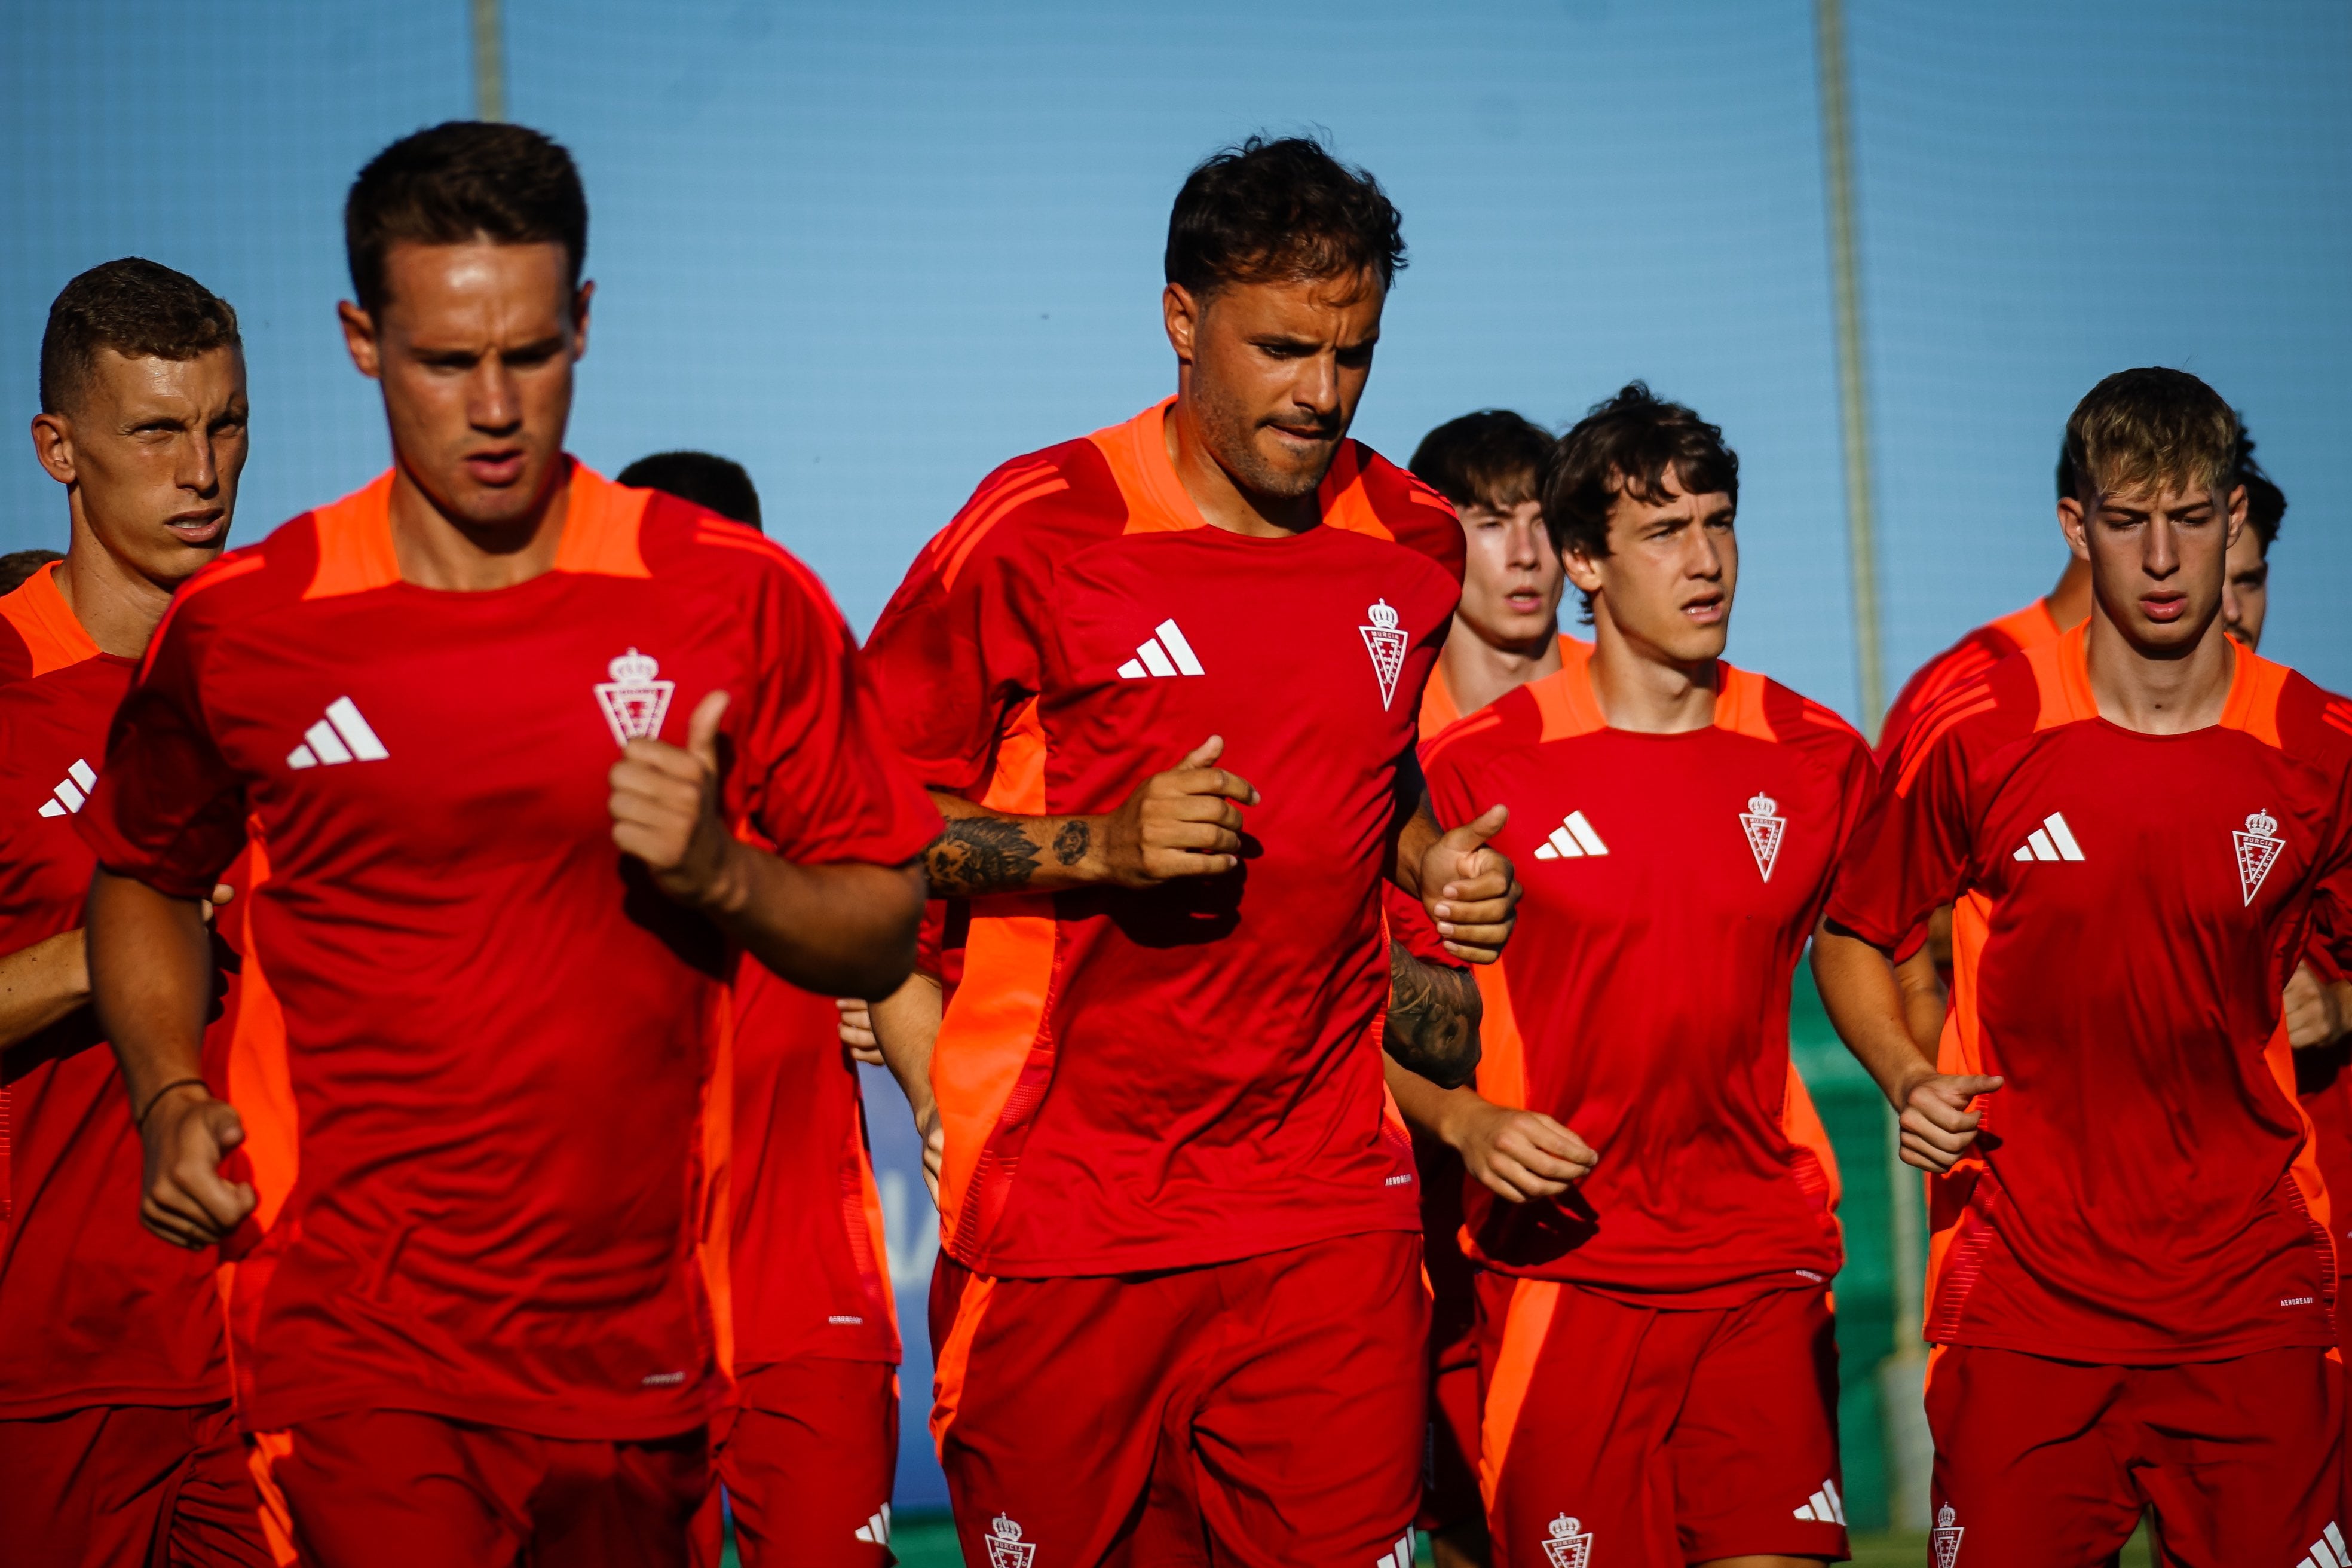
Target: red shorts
[(129, 1484), (394, 1488), (806, 1458), (1449, 1482), (1266, 1413), (2051, 1462), (1650, 1437)]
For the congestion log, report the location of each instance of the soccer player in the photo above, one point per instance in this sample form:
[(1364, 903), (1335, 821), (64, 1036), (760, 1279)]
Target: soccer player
[(2131, 1289), (1179, 1312), (116, 1440), (1506, 634), (1660, 1377), (494, 718), (809, 1446)]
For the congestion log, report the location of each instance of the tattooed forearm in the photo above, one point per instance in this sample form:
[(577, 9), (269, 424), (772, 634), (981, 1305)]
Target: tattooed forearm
[(1070, 844), (979, 855), (1432, 1026)]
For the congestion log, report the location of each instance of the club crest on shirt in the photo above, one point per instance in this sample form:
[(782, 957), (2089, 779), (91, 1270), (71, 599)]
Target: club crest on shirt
[(1945, 1536), (1386, 642), (1570, 1544), (2258, 851), (1005, 1547), (635, 703), (1765, 827)]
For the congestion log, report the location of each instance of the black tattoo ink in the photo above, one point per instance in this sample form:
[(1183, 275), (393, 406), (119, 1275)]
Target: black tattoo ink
[(1432, 1023), (981, 855), (1070, 844)]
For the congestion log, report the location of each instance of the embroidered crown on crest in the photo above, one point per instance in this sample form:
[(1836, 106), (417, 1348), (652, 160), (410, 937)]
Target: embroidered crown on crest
[(2263, 825), (1762, 805), (1383, 616), (633, 668)]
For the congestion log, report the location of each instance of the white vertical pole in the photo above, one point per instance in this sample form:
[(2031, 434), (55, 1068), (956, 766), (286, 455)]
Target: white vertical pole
[(489, 62)]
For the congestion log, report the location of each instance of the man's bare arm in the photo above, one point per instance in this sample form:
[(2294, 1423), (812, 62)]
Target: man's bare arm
[(1470, 890), (42, 984), (905, 1026), (1515, 1154), (1432, 1023), (1866, 1003), (150, 979), (845, 930), (1183, 821), (1923, 1002)]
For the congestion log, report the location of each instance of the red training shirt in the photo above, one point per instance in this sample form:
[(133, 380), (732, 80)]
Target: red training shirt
[(1959, 664), (93, 1309), (2127, 911), (1672, 883), (1189, 1074), (497, 1034)]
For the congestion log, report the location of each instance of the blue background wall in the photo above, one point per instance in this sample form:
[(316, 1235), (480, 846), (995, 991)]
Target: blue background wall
[(872, 250)]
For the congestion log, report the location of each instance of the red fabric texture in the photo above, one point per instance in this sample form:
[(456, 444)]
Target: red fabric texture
[(2050, 1464), (1964, 661), (1266, 1413), (1088, 1128), (807, 1462), (95, 1310), (1672, 884), (394, 1489), (2143, 1189), (122, 1486), (1668, 1437), (806, 1258), (498, 1033)]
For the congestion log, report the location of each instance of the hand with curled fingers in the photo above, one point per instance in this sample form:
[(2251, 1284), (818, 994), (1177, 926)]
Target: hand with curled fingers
[(185, 1199), (857, 1031), (1517, 1154), (1471, 891), (1939, 1123), (1185, 822)]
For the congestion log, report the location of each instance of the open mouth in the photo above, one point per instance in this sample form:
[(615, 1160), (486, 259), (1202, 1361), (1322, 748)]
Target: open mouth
[(2164, 608), (496, 469), (199, 527), (1706, 612)]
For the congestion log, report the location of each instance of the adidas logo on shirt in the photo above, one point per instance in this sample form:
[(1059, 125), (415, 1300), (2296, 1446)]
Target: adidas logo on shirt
[(1164, 653), (877, 1528), (1824, 1506), (2329, 1550), (1397, 1556), (342, 736), (2053, 840), (72, 791), (1571, 840)]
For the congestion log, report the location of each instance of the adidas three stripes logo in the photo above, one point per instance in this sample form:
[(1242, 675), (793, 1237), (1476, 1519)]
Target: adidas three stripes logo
[(2053, 840), (342, 736), (1162, 654), (71, 790)]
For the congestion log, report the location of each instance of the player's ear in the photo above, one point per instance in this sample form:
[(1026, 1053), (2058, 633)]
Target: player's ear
[(2237, 516), (1182, 313), (1582, 569), (53, 446), (360, 340), (580, 318), (2074, 525)]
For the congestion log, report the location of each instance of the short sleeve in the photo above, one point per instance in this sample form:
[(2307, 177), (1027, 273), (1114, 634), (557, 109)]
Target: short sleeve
[(168, 809), (819, 775), (1407, 921), (955, 650), (1907, 853)]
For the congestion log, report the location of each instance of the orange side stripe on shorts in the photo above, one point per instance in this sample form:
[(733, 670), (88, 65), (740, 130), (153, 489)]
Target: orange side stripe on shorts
[(955, 1360), (277, 1519), (1526, 1323)]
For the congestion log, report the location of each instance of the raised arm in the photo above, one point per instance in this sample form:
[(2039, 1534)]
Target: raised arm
[(843, 930), (1183, 821), (151, 978)]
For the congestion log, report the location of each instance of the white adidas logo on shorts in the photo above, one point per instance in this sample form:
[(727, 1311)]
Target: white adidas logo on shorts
[(1824, 1506), (2329, 1550)]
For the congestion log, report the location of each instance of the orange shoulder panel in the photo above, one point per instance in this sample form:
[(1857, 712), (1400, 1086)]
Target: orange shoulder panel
[(601, 523), (2029, 627), (1739, 703), (2064, 679), (1156, 501), (1437, 709), (1346, 503), (354, 539), (52, 635), (1566, 702), (2255, 687)]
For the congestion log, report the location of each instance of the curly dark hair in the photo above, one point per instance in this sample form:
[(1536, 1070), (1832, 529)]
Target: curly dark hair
[(1285, 208)]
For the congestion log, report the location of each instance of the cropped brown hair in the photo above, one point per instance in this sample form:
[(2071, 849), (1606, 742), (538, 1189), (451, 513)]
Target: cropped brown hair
[(461, 181), (2151, 426), (1272, 210), (141, 309), (1625, 445), (1493, 457)]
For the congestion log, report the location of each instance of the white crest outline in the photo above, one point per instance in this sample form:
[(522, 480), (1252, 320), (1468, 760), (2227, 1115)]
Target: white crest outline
[(1568, 1544), (2258, 846), (1387, 643), (1005, 1547), (633, 701), (1945, 1536), (1765, 828)]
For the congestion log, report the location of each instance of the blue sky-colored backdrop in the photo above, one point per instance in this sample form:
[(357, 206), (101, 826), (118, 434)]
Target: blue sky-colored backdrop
[(874, 249)]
